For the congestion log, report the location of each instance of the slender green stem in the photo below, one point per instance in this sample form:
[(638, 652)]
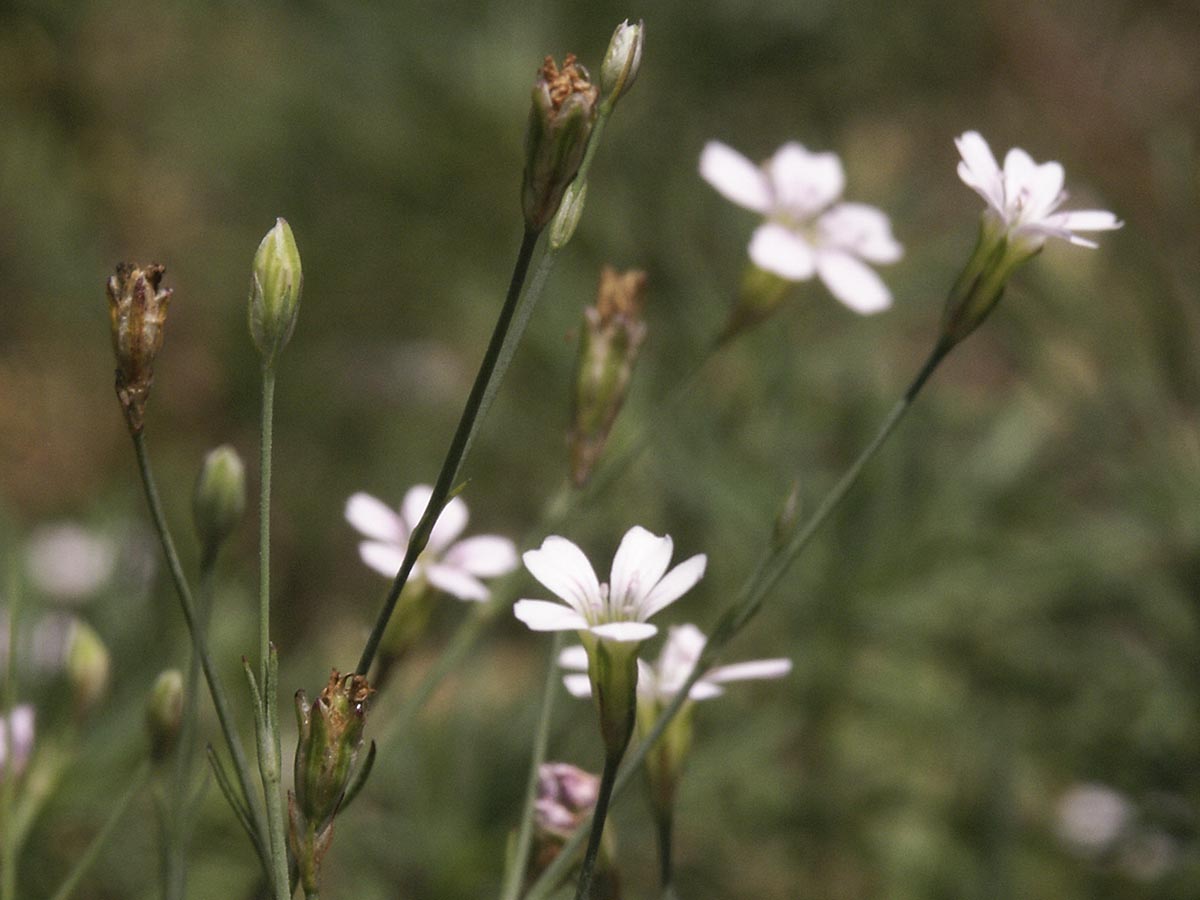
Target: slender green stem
[(766, 575), (463, 436), (520, 855), (84, 862), (8, 850), (200, 646), (583, 890), (264, 521), (266, 722), (664, 826)]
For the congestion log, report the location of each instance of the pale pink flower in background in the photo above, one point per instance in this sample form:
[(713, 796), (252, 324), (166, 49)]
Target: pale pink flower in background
[(1024, 196), (17, 728), (807, 231), (639, 586), (660, 682), (69, 562), (455, 567)]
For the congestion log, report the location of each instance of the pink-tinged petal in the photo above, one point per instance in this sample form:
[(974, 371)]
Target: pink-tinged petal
[(542, 615), (853, 282), (638, 565), (383, 558), (375, 519), (450, 523), (574, 657), (862, 230), (565, 571), (680, 654), (735, 177), (759, 668), (705, 690), (624, 632), (455, 581), (776, 249), (578, 686), (804, 183), (485, 555), (677, 582)]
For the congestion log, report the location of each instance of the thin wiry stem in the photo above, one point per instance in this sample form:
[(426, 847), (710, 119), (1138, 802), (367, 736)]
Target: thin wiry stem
[(595, 826), (8, 849), (463, 435), (200, 647), (766, 575), (264, 521)]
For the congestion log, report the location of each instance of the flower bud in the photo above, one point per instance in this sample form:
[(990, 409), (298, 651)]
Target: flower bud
[(331, 732), (16, 731), (566, 220), (164, 713), (275, 290), (566, 796), (622, 61), (87, 666), (759, 296), (560, 123), (613, 332), (220, 496), (137, 308)]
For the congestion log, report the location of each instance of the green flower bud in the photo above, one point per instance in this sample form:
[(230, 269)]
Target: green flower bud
[(622, 61), (219, 499), (560, 123), (331, 732), (566, 220), (275, 291), (87, 666), (613, 332), (759, 296), (164, 713), (137, 308)]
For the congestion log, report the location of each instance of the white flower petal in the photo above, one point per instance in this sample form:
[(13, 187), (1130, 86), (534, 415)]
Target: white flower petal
[(1087, 220), (565, 571), (485, 555), (677, 582), (704, 690), (383, 558), (624, 632), (679, 656), (759, 668), (579, 685), (638, 565), (853, 282), (375, 519), (862, 230), (450, 523), (979, 170), (574, 657), (804, 183), (542, 615), (1045, 190), (455, 581), (774, 248), (735, 177)]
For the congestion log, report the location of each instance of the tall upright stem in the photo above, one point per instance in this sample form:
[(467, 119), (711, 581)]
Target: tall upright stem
[(612, 762), (463, 435), (200, 647), (264, 521)]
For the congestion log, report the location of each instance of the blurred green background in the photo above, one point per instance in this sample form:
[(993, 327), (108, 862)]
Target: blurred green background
[(1002, 619)]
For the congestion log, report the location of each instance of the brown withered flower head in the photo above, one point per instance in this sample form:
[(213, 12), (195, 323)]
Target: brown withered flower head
[(560, 123), (137, 307)]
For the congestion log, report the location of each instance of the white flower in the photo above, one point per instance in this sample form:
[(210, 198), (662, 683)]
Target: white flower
[(660, 682), (451, 567), (20, 721), (805, 233), (1025, 195), (69, 561), (639, 587)]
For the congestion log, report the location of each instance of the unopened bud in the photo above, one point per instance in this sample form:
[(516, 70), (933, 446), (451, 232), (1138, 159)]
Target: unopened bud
[(331, 732), (275, 289), (560, 123), (566, 220), (220, 496), (164, 713), (566, 796), (87, 666), (16, 732), (137, 308), (613, 332), (788, 517), (622, 60)]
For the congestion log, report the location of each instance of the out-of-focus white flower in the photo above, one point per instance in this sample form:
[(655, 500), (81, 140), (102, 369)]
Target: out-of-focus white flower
[(69, 562), (660, 682), (1025, 196), (1091, 817), (807, 232), (639, 587), (450, 566), (17, 728)]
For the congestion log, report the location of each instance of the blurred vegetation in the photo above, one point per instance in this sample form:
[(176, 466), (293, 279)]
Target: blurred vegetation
[(1007, 605)]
